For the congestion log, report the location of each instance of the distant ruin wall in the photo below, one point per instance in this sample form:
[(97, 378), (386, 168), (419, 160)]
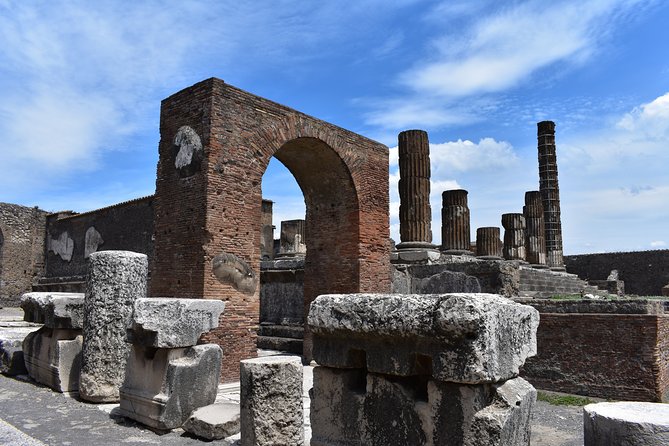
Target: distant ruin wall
[(71, 239), (644, 272), (21, 250)]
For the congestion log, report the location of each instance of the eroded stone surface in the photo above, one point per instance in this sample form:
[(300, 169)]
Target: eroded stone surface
[(53, 357), (115, 280), (172, 323), (162, 387), (233, 271), (271, 401), (626, 423), (11, 350), (214, 422), (55, 310), (464, 338)]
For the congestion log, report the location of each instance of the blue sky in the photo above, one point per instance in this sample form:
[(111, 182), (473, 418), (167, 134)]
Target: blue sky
[(81, 85)]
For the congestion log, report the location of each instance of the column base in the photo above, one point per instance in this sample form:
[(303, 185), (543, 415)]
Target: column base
[(458, 252)]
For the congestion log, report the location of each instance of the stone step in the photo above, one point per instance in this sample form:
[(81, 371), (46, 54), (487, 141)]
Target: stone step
[(282, 331), (290, 345)]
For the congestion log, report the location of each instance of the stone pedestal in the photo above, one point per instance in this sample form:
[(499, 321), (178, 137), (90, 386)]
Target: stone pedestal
[(271, 401), (455, 231), (535, 239), (52, 354), (115, 280), (414, 190), (626, 424), (167, 375), (550, 193), (421, 369), (292, 242), (488, 243), (514, 236)]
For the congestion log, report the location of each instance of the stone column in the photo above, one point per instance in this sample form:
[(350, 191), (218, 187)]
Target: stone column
[(488, 243), (514, 236), (114, 281), (292, 241), (414, 190), (417, 369), (550, 193), (271, 401), (455, 232), (535, 240)]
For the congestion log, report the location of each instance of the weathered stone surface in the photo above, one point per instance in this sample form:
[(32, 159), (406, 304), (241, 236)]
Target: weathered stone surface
[(463, 338), (11, 350), (292, 240), (53, 357), (55, 310), (514, 236), (162, 387), (214, 422), (432, 279), (233, 271), (535, 234), (172, 323), (271, 401), (115, 280), (455, 228), (488, 243), (353, 407), (626, 424)]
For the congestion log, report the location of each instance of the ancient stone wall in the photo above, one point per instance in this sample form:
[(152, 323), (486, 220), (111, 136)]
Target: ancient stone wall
[(21, 250), (644, 272), (71, 238), (616, 350), (216, 143)]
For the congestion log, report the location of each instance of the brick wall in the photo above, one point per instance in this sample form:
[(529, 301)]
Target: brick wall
[(214, 205), (125, 226), (21, 250), (644, 272), (602, 353)]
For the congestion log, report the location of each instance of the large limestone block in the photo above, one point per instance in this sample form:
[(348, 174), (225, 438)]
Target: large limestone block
[(626, 424), (114, 281), (55, 310), (53, 357), (462, 338), (172, 323), (214, 422), (11, 350), (162, 387), (351, 407), (271, 401)]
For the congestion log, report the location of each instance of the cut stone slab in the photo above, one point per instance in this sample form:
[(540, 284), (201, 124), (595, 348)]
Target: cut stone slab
[(55, 310), (52, 357), (271, 401), (163, 387), (172, 323), (462, 338), (114, 281), (214, 422), (11, 350), (626, 423)]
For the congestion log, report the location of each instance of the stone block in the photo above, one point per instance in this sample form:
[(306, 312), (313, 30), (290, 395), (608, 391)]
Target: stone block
[(462, 338), (55, 310), (162, 387), (352, 407), (53, 357), (115, 280), (11, 350), (271, 401), (214, 422), (626, 423), (172, 323)]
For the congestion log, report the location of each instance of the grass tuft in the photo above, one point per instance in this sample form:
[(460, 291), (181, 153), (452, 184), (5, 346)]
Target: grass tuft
[(563, 400)]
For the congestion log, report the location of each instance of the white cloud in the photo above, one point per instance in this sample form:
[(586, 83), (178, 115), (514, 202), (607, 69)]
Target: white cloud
[(658, 244), (650, 120)]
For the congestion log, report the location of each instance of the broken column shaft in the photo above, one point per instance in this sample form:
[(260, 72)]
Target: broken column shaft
[(414, 190), (535, 240), (455, 232), (550, 193), (514, 236), (488, 243)]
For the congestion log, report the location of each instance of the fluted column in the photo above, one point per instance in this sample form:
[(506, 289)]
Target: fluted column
[(535, 240), (550, 193), (514, 236), (455, 232), (414, 189), (488, 243)]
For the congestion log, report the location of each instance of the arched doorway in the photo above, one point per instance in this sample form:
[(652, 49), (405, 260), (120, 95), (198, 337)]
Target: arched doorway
[(216, 143)]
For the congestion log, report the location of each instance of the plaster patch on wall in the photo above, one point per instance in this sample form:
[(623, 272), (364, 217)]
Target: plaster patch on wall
[(62, 246), (92, 242), (232, 270), (190, 146)]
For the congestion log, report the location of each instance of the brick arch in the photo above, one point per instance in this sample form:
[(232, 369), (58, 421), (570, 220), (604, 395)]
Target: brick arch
[(213, 205)]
